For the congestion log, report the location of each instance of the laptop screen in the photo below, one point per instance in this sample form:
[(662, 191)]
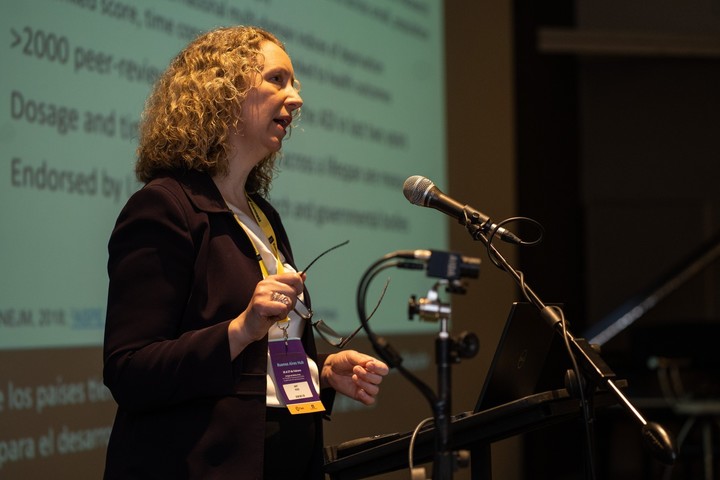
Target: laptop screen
[(520, 360)]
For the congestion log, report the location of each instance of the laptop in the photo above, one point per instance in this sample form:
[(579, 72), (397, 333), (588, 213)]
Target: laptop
[(521, 364)]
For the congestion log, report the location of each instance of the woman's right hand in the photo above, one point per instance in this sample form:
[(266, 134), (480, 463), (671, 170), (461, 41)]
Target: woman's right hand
[(273, 299)]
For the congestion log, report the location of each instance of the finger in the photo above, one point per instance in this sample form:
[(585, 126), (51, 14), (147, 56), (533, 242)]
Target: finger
[(292, 280), (369, 388), (288, 283), (369, 363), (271, 309), (367, 376), (365, 398), (378, 367), (280, 297), (273, 313), (372, 378)]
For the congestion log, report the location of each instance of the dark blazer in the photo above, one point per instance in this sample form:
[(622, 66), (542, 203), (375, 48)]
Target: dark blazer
[(180, 269)]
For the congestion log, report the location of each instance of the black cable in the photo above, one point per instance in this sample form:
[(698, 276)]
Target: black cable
[(379, 344), (585, 405), (523, 243)]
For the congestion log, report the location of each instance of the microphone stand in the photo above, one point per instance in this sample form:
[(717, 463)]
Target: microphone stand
[(443, 461), (597, 372), (447, 350)]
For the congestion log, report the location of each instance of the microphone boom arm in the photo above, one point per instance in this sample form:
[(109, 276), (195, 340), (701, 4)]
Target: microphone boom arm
[(599, 373)]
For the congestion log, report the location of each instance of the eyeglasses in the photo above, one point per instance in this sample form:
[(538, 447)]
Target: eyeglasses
[(323, 329), (341, 244)]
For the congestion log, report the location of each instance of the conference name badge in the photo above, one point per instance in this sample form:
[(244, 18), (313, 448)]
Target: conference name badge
[(292, 374)]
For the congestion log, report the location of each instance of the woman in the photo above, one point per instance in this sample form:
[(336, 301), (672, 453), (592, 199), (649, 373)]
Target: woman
[(203, 286)]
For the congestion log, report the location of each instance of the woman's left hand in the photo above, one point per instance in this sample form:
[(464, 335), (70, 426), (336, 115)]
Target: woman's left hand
[(354, 374)]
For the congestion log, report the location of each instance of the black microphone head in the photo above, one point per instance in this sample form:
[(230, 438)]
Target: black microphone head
[(415, 189)]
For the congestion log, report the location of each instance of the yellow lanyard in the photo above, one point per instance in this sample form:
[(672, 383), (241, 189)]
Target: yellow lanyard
[(267, 229)]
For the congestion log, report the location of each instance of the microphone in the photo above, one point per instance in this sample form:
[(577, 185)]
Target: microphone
[(421, 191), (447, 265)]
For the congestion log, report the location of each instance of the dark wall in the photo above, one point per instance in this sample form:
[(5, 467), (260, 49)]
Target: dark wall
[(618, 115)]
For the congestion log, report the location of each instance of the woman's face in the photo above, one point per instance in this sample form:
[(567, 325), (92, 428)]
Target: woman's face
[(267, 110)]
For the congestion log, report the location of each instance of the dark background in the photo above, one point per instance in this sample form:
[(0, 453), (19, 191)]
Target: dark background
[(600, 120), (615, 121)]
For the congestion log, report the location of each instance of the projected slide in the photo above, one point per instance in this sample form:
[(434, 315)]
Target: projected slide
[(75, 75)]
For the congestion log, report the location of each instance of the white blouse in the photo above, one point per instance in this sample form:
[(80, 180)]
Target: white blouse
[(296, 326)]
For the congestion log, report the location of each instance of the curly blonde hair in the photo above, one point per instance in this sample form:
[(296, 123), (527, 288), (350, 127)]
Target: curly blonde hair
[(197, 101)]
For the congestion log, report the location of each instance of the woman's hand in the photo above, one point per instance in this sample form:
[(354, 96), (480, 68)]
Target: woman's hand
[(272, 301), (354, 374)]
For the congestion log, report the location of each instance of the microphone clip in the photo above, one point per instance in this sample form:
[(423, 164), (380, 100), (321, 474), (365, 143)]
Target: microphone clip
[(431, 308), (478, 226)]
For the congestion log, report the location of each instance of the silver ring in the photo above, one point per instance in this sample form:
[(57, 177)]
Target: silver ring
[(280, 297)]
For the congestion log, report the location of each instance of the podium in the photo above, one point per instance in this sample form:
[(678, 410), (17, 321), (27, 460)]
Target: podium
[(472, 431)]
